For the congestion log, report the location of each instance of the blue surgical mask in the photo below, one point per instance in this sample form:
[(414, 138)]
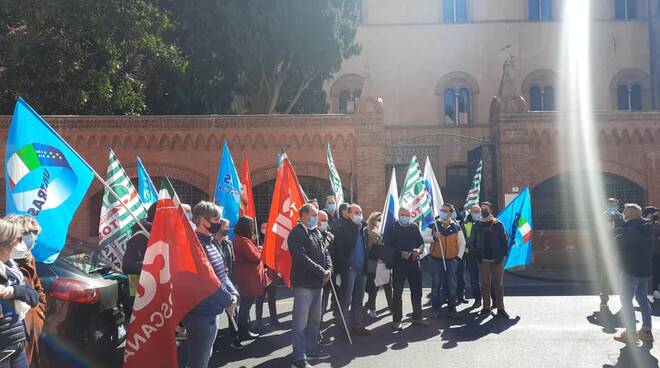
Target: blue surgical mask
[(331, 207), (476, 216), (29, 240), (443, 216), (612, 208), (404, 220), (313, 222)]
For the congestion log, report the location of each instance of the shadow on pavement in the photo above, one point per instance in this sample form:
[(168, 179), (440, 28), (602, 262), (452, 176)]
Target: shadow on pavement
[(605, 319), (472, 327), (632, 356)]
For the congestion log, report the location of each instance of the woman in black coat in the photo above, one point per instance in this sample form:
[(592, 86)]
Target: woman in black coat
[(16, 299)]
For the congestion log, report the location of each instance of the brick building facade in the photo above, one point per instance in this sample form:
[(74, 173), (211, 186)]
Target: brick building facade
[(523, 147)]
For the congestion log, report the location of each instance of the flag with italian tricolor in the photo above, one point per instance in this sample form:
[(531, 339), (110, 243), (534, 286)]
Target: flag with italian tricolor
[(524, 229), (517, 221)]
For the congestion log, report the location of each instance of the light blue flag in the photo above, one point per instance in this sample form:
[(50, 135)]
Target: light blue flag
[(391, 209), (517, 221), (228, 189), (44, 178), (146, 189)]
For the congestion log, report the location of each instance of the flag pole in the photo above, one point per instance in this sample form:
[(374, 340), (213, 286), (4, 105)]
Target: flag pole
[(105, 184), (341, 314), (442, 251)]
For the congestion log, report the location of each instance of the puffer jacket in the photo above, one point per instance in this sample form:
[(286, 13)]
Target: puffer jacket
[(12, 330), (221, 299), (451, 244)]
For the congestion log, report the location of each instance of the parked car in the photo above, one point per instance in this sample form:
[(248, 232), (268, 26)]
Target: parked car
[(84, 318)]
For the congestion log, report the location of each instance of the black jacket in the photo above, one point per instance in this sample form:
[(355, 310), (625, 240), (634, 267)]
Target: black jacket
[(499, 241), (135, 248), (345, 240), (226, 249), (12, 330), (403, 239), (635, 242), (309, 256)]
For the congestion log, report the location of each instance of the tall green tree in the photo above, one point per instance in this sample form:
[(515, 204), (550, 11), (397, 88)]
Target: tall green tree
[(209, 83), (284, 49), (84, 56)]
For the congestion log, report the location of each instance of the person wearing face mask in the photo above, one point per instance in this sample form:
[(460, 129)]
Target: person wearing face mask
[(226, 249), (471, 261), (329, 244), (614, 222), (635, 249), (16, 298), (311, 268), (328, 240), (373, 241), (201, 322), (134, 255), (22, 255), (446, 251), (406, 239), (489, 244), (343, 218), (351, 266), (250, 274), (331, 210)]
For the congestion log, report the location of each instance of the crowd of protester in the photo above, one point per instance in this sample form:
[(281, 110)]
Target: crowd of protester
[(337, 258)]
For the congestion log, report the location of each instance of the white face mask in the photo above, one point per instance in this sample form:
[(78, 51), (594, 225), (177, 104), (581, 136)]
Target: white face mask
[(357, 219), (323, 226), (20, 251)]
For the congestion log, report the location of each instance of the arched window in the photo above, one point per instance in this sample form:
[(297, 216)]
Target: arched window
[(457, 96), (555, 200), (631, 90), (345, 94), (625, 9), (457, 106), (629, 98), (539, 91), (542, 99), (540, 10), (454, 11)]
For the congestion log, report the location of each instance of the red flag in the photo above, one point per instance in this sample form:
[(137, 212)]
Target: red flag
[(176, 276), (287, 200), (247, 198)]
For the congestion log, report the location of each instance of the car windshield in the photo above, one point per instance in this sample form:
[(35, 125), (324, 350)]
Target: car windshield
[(88, 262)]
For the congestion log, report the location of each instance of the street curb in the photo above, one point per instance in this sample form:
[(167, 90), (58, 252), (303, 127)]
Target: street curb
[(550, 279)]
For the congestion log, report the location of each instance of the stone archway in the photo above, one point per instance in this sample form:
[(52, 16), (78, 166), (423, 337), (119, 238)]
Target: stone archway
[(554, 199)]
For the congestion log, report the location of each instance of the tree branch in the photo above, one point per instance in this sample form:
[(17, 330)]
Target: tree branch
[(303, 86)]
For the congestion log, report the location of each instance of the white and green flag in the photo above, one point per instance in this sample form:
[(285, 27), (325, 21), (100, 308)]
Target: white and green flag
[(335, 180), (415, 197), (475, 189), (116, 221)]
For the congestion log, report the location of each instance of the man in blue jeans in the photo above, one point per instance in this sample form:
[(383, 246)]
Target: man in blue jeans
[(311, 268), (201, 323), (446, 252), (635, 242), (351, 256)]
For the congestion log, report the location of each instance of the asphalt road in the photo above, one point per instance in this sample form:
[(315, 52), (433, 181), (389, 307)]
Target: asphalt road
[(554, 324)]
